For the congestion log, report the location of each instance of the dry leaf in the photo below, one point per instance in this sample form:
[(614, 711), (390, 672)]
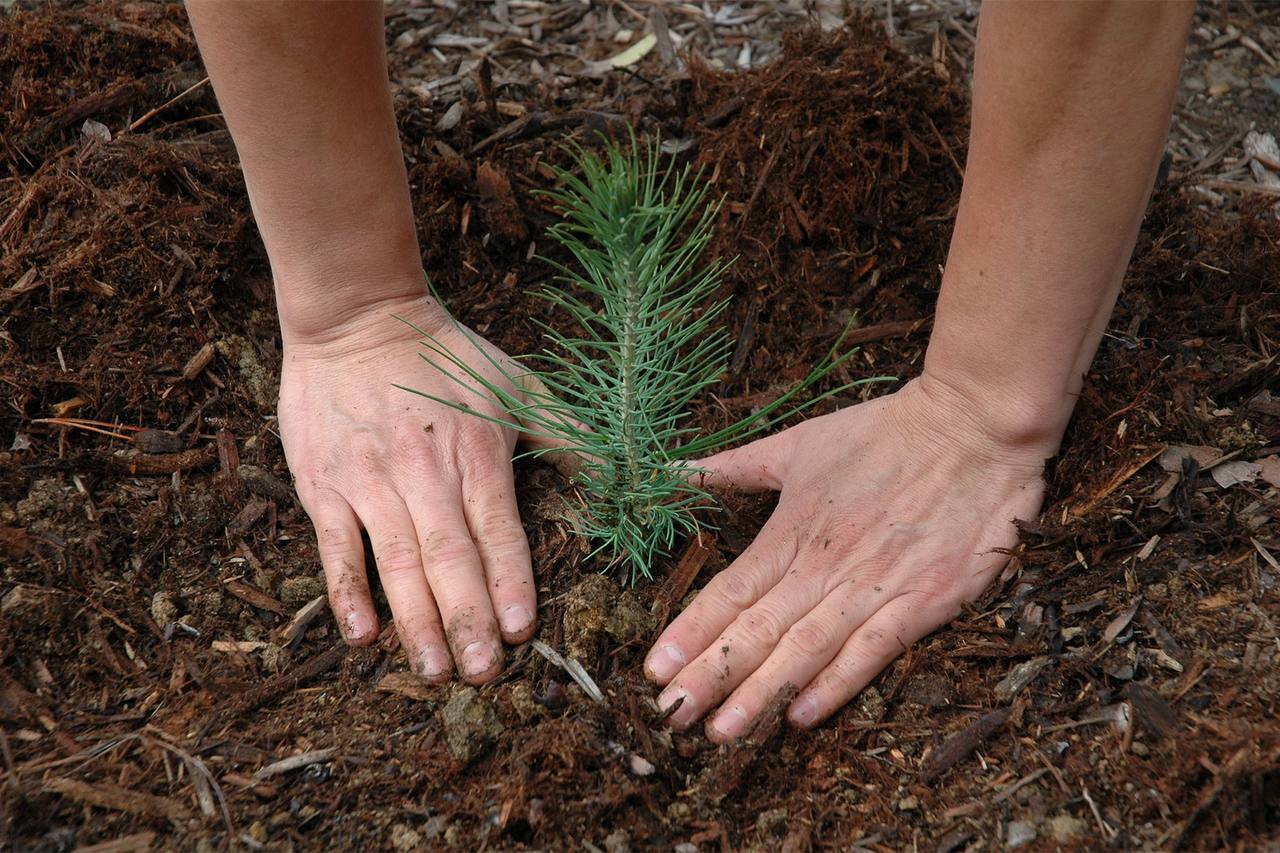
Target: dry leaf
[(1171, 459), (1237, 471), (1119, 623)]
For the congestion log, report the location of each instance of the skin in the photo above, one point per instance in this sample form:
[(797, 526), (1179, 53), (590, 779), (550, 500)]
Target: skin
[(891, 513)]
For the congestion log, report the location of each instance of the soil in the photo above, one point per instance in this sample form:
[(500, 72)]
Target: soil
[(167, 678)]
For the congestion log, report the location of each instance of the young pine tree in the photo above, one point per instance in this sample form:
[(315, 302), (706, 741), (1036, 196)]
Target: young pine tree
[(616, 391)]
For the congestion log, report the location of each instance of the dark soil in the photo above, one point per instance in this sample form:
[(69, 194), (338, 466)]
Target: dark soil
[(1116, 689)]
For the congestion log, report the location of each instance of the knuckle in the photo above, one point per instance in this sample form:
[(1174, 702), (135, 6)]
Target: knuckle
[(737, 588), (810, 637), (760, 628), (447, 549), (480, 446), (335, 541), (398, 555)]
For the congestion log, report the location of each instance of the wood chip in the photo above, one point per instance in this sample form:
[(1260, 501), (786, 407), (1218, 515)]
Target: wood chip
[(252, 595), (297, 626), (408, 685), (247, 517), (726, 773), (139, 842), (296, 762), (198, 362), (115, 798), (961, 744), (1150, 708), (1117, 625), (243, 646)]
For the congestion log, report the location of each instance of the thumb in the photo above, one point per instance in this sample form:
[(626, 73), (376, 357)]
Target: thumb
[(762, 464)]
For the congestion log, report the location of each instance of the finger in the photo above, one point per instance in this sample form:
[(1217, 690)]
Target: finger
[(887, 634), (457, 579), (342, 556), (728, 594), (740, 649), (758, 466), (399, 561), (494, 522), (803, 651)]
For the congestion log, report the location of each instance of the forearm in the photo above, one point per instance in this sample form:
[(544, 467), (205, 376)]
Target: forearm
[(1071, 109), (303, 87)]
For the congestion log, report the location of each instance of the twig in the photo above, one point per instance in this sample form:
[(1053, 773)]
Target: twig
[(147, 116), (1097, 815), (571, 666)]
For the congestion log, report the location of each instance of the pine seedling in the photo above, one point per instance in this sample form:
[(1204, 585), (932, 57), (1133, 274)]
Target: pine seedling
[(617, 390)]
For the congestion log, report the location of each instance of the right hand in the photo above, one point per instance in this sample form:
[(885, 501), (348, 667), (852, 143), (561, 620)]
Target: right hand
[(432, 486)]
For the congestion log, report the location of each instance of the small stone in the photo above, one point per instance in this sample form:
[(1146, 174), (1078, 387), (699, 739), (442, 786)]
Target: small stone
[(1140, 749), (206, 845), (295, 592), (908, 804), (641, 766), (685, 847), (258, 832), (452, 835), (618, 841), (1020, 833), (470, 724), (404, 838), (1019, 677), (1066, 828), (163, 608)]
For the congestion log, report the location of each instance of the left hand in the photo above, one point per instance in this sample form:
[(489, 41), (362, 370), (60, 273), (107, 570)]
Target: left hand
[(892, 513)]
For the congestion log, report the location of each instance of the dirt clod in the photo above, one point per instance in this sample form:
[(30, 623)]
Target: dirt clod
[(297, 591), (470, 724)]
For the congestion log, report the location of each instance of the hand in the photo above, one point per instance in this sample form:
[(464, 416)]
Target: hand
[(432, 486), (890, 516)]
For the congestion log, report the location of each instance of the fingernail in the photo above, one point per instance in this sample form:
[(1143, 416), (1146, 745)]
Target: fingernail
[(665, 662), (433, 662), (731, 722), (804, 711), (477, 658), (358, 625), (683, 715), (515, 619)]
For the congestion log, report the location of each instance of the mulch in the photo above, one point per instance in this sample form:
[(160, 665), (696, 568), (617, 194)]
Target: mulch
[(165, 679)]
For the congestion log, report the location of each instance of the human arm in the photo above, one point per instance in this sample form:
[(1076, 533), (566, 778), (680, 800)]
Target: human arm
[(894, 512), (304, 90)]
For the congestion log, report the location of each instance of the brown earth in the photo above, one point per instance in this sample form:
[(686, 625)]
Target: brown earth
[(1117, 689)]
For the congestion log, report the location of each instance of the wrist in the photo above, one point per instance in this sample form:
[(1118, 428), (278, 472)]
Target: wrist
[(1008, 417), (321, 293)]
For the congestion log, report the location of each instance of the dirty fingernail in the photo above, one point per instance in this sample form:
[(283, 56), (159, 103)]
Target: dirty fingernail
[(730, 723), (665, 662), (358, 625), (680, 716), (477, 658), (804, 711), (433, 662), (515, 619)]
